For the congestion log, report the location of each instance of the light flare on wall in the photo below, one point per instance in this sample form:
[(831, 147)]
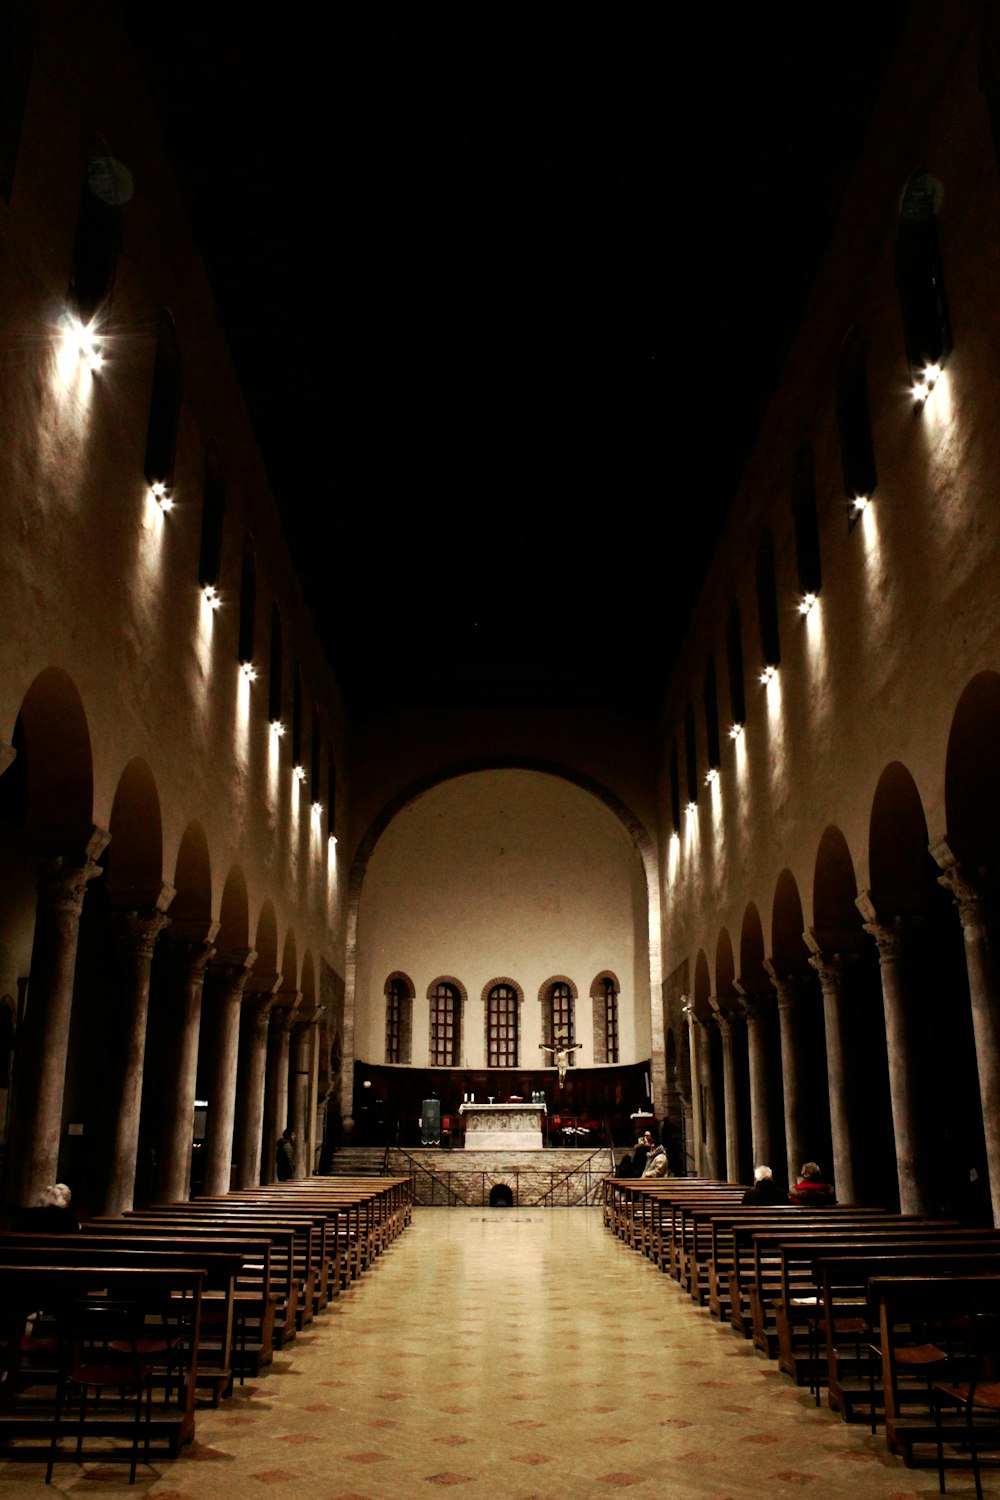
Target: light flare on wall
[(241, 724), (735, 731), (673, 855), (248, 670), (768, 675), (277, 729), (711, 775), (82, 343), (159, 493), (210, 596), (299, 773), (807, 603)]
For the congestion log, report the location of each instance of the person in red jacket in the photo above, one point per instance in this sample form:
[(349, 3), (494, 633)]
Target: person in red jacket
[(810, 1190)]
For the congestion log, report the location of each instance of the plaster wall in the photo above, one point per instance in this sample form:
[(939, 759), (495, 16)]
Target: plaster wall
[(503, 874), (98, 582), (907, 613)]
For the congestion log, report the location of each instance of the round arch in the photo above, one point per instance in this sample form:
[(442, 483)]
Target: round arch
[(897, 845), (835, 887), (56, 772), (972, 786), (135, 855), (639, 836), (193, 877)]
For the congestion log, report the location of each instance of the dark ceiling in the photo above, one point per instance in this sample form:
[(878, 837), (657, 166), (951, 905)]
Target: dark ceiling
[(508, 287)]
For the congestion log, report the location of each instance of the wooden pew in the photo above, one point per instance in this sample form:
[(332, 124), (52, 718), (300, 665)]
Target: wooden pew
[(220, 1262), (896, 1302), (27, 1414)]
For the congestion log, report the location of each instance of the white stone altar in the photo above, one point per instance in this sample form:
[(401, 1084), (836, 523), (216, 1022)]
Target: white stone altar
[(503, 1127)]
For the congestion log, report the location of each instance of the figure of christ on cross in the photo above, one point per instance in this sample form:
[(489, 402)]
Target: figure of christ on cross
[(561, 1053)]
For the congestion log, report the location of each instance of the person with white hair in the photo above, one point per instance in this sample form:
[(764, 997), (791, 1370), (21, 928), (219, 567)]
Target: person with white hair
[(50, 1214), (765, 1190)]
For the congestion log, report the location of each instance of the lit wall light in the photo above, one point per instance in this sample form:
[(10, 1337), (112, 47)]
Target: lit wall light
[(299, 772), (333, 841), (924, 382), (806, 603), (84, 341), (277, 728), (249, 671), (859, 503), (768, 675), (317, 809), (692, 807), (735, 730), (161, 495), (210, 594), (711, 775)]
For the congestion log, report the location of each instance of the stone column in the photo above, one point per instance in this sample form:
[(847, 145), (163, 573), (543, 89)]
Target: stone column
[(139, 931), (230, 973), (41, 1078), (302, 1034), (694, 1047), (787, 988), (258, 997), (193, 946), (915, 1196), (276, 1083), (832, 969), (724, 1021), (984, 1000), (760, 1121)]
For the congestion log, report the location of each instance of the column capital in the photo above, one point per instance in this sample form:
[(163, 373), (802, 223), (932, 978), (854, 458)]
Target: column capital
[(286, 1002), (63, 879), (232, 968), (726, 1015), (788, 984), (261, 986), (967, 890), (752, 1001), (139, 930), (889, 932)]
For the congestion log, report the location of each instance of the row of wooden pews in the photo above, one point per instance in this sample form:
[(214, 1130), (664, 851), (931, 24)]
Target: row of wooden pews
[(846, 1298), (214, 1285)]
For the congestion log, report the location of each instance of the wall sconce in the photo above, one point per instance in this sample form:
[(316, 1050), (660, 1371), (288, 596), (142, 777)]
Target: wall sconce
[(333, 841), (735, 730), (692, 807), (249, 671), (806, 603), (858, 504), (299, 772), (277, 728), (317, 809), (768, 674), (210, 594), (84, 340), (711, 775), (158, 491), (924, 382)]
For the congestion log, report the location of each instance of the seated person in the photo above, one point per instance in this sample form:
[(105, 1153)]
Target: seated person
[(657, 1164), (765, 1190), (811, 1190)]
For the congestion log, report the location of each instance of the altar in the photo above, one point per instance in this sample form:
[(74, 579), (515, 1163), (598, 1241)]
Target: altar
[(503, 1127)]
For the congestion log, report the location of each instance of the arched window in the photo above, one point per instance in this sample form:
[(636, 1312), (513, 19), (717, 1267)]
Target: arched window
[(164, 405), (604, 992), (767, 602), (275, 669), (213, 509), (248, 606), (331, 794), (734, 664), (18, 27), (559, 1016), (501, 1027), (315, 750), (712, 717), (297, 717), (98, 238), (445, 1019), (806, 525), (691, 756), (675, 787), (398, 1019), (857, 447), (920, 276)]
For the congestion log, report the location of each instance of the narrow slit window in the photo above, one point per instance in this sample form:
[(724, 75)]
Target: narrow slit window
[(164, 405), (712, 717), (213, 510), (734, 664), (807, 554), (767, 602), (857, 446), (248, 606), (275, 669)]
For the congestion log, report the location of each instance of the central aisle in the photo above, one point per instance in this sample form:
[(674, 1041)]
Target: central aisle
[(518, 1353)]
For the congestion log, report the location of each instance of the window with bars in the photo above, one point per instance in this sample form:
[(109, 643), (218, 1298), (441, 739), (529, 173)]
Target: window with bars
[(560, 1019), (397, 1022), (501, 1027), (610, 1021), (445, 1014)]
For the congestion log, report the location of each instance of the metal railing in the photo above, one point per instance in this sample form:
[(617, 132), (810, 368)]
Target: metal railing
[(530, 1187)]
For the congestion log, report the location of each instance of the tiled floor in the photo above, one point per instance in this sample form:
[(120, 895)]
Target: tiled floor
[(515, 1354)]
